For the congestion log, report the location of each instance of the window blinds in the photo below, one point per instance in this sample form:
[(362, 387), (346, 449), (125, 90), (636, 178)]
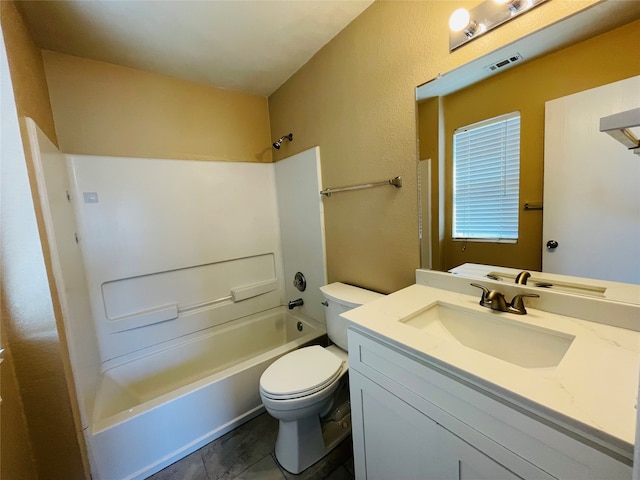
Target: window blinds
[(486, 178)]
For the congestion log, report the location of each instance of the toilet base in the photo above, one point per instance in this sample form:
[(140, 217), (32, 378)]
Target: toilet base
[(302, 443)]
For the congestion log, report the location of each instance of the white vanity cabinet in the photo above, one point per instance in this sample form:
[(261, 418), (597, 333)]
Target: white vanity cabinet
[(403, 442), (413, 419)]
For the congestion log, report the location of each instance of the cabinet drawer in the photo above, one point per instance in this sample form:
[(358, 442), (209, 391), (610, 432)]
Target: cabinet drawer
[(475, 415)]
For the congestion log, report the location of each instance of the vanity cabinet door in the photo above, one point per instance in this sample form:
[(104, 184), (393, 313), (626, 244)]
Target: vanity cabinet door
[(465, 462), (395, 440)]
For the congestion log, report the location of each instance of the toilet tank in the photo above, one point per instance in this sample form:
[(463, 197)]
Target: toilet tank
[(341, 298)]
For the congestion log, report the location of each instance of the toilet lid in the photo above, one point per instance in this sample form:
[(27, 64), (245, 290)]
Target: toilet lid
[(300, 372)]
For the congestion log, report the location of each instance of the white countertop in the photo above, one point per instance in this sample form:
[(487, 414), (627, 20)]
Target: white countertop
[(592, 391), (606, 289)]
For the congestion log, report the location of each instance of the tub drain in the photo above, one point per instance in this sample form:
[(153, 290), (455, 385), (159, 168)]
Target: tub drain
[(300, 326)]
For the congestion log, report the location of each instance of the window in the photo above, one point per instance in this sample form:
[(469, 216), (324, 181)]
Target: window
[(486, 179)]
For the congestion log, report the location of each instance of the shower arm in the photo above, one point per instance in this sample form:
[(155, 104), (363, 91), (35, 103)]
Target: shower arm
[(278, 142)]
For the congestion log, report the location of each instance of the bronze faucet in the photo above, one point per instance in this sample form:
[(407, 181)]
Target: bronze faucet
[(495, 301)]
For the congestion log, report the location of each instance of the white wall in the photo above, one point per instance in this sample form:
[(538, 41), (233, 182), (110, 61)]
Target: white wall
[(299, 181), (68, 267)]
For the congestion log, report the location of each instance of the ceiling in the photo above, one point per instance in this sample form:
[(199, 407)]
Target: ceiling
[(251, 46)]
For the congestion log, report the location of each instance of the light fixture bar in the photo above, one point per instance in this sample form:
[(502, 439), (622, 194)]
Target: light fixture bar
[(487, 16)]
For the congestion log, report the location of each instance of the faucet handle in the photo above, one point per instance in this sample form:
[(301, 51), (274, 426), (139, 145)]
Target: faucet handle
[(485, 292), (517, 304)]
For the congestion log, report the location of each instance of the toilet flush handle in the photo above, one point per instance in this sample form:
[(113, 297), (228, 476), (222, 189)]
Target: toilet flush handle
[(325, 303)]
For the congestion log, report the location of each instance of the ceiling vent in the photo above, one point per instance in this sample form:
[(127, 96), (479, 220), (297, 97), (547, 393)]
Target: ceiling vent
[(500, 65)]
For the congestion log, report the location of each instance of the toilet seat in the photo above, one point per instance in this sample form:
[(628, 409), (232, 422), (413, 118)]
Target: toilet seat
[(301, 373)]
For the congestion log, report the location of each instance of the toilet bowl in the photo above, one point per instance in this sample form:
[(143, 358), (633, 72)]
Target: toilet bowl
[(307, 390)]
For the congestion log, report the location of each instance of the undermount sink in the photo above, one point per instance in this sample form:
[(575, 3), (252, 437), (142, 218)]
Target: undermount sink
[(493, 334)]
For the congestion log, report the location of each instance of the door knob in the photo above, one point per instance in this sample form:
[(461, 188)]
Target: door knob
[(551, 244)]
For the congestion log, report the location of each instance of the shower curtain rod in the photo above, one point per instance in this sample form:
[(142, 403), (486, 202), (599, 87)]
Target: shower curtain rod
[(396, 182)]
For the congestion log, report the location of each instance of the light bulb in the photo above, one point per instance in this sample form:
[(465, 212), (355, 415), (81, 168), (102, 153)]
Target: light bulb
[(459, 20), (513, 5)]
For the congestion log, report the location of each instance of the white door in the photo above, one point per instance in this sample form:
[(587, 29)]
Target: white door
[(591, 187)]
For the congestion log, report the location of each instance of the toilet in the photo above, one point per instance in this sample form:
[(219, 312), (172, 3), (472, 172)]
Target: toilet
[(307, 389)]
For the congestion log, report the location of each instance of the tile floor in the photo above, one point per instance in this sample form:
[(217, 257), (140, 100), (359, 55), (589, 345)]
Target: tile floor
[(246, 453)]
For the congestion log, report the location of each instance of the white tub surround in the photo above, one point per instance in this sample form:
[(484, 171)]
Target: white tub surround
[(172, 247), (586, 388), (155, 409), (301, 212), (68, 268), (164, 268)]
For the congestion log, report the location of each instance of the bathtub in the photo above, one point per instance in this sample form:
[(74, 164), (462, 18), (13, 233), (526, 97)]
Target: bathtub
[(151, 411)]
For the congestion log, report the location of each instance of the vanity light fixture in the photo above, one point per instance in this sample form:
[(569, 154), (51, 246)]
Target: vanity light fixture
[(465, 25)]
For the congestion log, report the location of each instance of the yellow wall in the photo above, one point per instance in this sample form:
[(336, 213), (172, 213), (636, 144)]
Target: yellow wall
[(526, 88), (104, 109), (27, 71), (36, 381), (356, 100), (17, 459)]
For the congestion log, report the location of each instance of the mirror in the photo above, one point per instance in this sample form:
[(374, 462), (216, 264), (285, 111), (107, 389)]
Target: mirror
[(579, 53)]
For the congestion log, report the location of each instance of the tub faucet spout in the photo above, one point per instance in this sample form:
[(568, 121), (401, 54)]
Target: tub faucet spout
[(295, 303)]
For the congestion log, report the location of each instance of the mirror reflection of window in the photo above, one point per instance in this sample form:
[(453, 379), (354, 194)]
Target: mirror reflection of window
[(450, 101), (486, 180)]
